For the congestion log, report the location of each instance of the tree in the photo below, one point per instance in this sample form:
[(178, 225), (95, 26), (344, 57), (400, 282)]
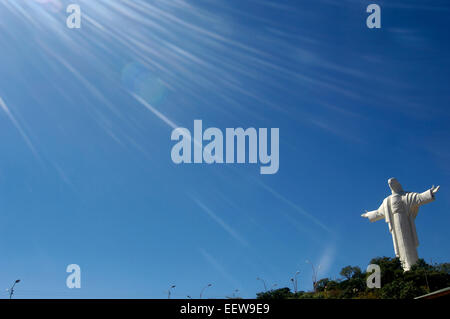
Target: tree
[(349, 272), (321, 285)]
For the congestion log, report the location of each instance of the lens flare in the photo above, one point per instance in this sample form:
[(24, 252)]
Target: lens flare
[(139, 80)]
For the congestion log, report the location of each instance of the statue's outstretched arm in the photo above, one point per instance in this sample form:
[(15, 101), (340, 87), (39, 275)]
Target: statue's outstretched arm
[(365, 214), (374, 215), (425, 197), (434, 190)]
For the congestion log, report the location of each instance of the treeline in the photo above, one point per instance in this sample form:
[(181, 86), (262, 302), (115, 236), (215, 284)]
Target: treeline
[(423, 278)]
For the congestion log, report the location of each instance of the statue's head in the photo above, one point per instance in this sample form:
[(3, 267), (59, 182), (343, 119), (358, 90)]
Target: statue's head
[(395, 186)]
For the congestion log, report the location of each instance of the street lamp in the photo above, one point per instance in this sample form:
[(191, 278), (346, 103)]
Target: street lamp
[(11, 291), (295, 281), (264, 283), (314, 277), (233, 296), (201, 292), (170, 290)]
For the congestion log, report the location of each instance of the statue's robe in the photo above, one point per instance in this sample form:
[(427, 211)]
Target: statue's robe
[(400, 212)]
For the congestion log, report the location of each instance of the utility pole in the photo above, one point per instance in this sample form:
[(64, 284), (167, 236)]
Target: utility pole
[(11, 291)]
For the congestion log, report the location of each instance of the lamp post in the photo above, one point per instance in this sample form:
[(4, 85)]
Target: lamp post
[(201, 292), (314, 276), (11, 291), (295, 281), (234, 295), (264, 283), (169, 291)]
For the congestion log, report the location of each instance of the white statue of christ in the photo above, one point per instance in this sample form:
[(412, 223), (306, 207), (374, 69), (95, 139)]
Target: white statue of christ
[(400, 210)]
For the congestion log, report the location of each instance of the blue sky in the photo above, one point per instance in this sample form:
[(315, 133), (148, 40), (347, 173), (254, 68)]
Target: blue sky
[(86, 175)]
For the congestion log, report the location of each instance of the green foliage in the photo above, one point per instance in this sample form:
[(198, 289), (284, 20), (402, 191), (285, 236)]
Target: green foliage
[(395, 283), (445, 268), (322, 284), (401, 290), (349, 272), (282, 293)]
